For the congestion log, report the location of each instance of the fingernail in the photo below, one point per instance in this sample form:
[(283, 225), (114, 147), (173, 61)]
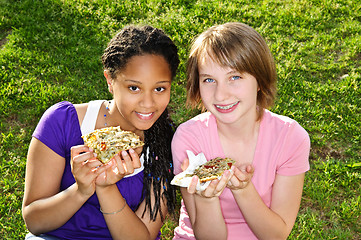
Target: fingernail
[(131, 150), (124, 153)]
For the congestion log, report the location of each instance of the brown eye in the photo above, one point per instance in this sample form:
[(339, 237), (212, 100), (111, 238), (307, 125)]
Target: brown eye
[(159, 89), (133, 88)]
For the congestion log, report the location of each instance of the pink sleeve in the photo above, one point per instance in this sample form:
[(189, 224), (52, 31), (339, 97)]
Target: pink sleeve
[(183, 140), (296, 152)]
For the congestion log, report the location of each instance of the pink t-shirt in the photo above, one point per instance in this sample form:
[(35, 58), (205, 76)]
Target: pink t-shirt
[(283, 148)]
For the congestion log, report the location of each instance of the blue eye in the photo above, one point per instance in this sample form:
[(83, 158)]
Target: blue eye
[(235, 77), (208, 80)]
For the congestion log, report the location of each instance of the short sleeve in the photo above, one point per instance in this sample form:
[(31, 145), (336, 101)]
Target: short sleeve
[(295, 155), (198, 135), (57, 128), (180, 143)]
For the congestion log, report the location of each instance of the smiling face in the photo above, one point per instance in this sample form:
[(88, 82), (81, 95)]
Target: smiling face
[(230, 95), (141, 91)]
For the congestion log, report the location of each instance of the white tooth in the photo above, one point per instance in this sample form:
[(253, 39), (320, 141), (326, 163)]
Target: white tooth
[(226, 107), (145, 115)]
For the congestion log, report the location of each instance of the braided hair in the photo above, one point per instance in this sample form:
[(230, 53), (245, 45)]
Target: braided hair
[(158, 169)]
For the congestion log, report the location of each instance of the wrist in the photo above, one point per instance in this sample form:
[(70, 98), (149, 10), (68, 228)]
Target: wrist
[(242, 192), (105, 189), (116, 211), (206, 200), (79, 194)]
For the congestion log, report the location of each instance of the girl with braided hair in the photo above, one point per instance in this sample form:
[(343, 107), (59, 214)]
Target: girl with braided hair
[(69, 194)]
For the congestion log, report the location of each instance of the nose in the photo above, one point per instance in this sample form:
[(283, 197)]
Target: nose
[(221, 92), (147, 100)]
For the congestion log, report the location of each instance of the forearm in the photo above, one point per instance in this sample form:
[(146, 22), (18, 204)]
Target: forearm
[(265, 223), (209, 222), (122, 222), (47, 214)]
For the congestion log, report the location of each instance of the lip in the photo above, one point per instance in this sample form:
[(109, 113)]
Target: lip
[(226, 108), (145, 116)]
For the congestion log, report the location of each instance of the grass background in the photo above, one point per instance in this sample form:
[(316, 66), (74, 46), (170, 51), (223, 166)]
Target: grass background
[(50, 51)]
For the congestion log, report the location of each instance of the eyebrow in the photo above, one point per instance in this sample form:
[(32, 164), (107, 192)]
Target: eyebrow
[(140, 83), (228, 73), (204, 75)]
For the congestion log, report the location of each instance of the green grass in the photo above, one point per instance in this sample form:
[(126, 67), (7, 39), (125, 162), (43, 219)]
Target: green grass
[(50, 51)]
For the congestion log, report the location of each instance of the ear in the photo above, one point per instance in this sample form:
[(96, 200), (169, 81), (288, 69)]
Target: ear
[(109, 80)]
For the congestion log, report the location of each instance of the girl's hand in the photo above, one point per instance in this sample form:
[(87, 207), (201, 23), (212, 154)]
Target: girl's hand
[(214, 189), (85, 168), (121, 165), (241, 178)]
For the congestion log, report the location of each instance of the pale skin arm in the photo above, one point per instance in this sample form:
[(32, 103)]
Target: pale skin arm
[(125, 224), (204, 208), (44, 207), (277, 221)]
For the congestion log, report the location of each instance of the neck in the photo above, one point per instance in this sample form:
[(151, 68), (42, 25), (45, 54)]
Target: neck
[(242, 130)]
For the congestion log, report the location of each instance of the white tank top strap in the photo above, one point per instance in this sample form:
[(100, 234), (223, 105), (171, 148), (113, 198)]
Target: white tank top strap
[(91, 115)]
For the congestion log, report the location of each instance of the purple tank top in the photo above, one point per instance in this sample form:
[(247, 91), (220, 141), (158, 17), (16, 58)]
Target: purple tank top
[(59, 130)]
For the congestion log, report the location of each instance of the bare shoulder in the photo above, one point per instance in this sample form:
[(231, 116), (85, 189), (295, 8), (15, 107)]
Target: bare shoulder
[(44, 170), (81, 110)]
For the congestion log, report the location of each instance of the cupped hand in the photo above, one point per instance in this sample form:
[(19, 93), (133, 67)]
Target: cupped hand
[(85, 168), (121, 165), (214, 189), (241, 178)]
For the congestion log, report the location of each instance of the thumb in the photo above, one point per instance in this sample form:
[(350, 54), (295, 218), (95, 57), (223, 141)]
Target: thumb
[(185, 164)]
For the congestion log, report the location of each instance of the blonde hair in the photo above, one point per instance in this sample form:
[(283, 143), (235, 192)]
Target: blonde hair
[(240, 47)]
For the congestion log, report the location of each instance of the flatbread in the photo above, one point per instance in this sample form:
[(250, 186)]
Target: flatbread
[(205, 170), (212, 169), (109, 141)]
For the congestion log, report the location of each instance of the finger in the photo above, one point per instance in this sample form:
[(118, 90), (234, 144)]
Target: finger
[(193, 185), (76, 150), (224, 180), (83, 156), (135, 158), (138, 150), (102, 175), (79, 163), (250, 169), (85, 168), (234, 182), (102, 168), (210, 190), (115, 169), (185, 164), (127, 162), (241, 176), (120, 164), (92, 163)]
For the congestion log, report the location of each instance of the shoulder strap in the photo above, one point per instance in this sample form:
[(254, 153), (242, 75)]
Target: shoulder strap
[(91, 115)]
